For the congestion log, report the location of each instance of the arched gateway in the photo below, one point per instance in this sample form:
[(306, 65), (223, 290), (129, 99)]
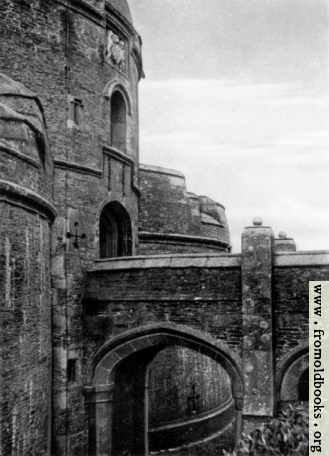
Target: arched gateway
[(120, 375)]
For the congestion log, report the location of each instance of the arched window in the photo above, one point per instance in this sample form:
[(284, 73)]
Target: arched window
[(115, 231), (303, 386), (118, 121)]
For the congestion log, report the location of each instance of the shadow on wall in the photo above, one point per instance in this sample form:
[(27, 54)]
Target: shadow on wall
[(125, 364)]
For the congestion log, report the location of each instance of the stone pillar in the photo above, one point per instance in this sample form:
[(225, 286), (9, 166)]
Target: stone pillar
[(284, 243), (257, 254)]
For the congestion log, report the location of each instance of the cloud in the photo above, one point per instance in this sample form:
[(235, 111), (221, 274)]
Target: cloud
[(260, 149)]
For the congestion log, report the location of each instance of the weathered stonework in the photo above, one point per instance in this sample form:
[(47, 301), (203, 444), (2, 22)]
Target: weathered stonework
[(81, 333), (25, 305), (256, 268), (172, 220)]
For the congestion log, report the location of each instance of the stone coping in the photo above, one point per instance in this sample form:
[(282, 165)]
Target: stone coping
[(12, 191), (210, 260), (196, 419), (161, 170), (168, 261), (76, 167), (18, 154), (302, 258), (199, 428), (171, 237)]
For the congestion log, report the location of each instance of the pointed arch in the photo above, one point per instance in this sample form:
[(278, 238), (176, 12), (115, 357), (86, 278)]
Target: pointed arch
[(161, 335), (124, 360), (290, 374)]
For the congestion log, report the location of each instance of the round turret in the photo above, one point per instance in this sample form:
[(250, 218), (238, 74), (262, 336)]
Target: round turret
[(25, 287), (23, 139)]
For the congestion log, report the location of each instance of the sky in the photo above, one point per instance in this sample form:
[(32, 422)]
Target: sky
[(236, 97)]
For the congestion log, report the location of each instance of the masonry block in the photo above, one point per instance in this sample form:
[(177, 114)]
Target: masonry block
[(257, 327)]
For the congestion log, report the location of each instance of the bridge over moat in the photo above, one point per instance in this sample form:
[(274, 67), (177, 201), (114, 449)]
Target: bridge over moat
[(248, 313)]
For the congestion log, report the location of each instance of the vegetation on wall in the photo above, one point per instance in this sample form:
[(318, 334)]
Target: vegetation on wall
[(286, 435)]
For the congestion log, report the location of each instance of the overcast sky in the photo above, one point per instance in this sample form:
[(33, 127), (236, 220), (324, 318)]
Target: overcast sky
[(236, 97)]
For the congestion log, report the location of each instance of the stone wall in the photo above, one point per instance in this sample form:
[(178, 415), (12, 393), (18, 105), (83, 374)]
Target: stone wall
[(254, 304), (291, 304), (171, 218), (183, 383), (60, 51), (25, 290), (258, 301), (25, 325), (201, 297)]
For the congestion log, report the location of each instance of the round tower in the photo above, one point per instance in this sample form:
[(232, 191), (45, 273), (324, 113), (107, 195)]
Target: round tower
[(25, 322), (83, 60)]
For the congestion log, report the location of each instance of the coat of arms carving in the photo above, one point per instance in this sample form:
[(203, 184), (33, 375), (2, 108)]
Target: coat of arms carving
[(115, 50)]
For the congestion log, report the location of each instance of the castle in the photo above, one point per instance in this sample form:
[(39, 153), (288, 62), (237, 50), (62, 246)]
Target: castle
[(127, 325)]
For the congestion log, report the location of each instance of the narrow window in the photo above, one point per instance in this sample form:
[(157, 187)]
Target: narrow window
[(118, 121), (77, 111)]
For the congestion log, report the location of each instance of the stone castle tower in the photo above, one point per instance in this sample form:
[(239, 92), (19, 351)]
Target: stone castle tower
[(73, 191), (123, 312)]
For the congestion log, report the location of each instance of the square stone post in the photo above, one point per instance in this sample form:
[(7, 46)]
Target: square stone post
[(257, 255)]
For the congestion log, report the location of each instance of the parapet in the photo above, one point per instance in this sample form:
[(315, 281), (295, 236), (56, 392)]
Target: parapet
[(26, 164), (175, 220)]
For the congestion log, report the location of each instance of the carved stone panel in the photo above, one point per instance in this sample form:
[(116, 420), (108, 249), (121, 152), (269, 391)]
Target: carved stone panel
[(116, 50)]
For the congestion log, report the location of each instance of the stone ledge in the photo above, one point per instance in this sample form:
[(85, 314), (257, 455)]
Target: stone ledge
[(161, 170), (171, 237), (196, 419), (17, 154), (200, 442), (75, 167), (198, 429), (18, 194), (167, 261), (303, 258)]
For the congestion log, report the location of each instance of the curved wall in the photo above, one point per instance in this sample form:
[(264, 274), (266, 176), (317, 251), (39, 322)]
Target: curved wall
[(183, 383), (74, 55), (68, 54), (172, 220), (25, 313)]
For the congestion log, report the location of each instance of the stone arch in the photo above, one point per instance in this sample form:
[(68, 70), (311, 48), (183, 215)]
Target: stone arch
[(290, 371), (141, 345), (118, 86), (115, 231)]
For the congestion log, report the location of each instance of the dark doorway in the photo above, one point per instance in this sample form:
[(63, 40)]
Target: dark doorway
[(129, 412), (115, 237), (118, 121), (303, 387), (137, 429)]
